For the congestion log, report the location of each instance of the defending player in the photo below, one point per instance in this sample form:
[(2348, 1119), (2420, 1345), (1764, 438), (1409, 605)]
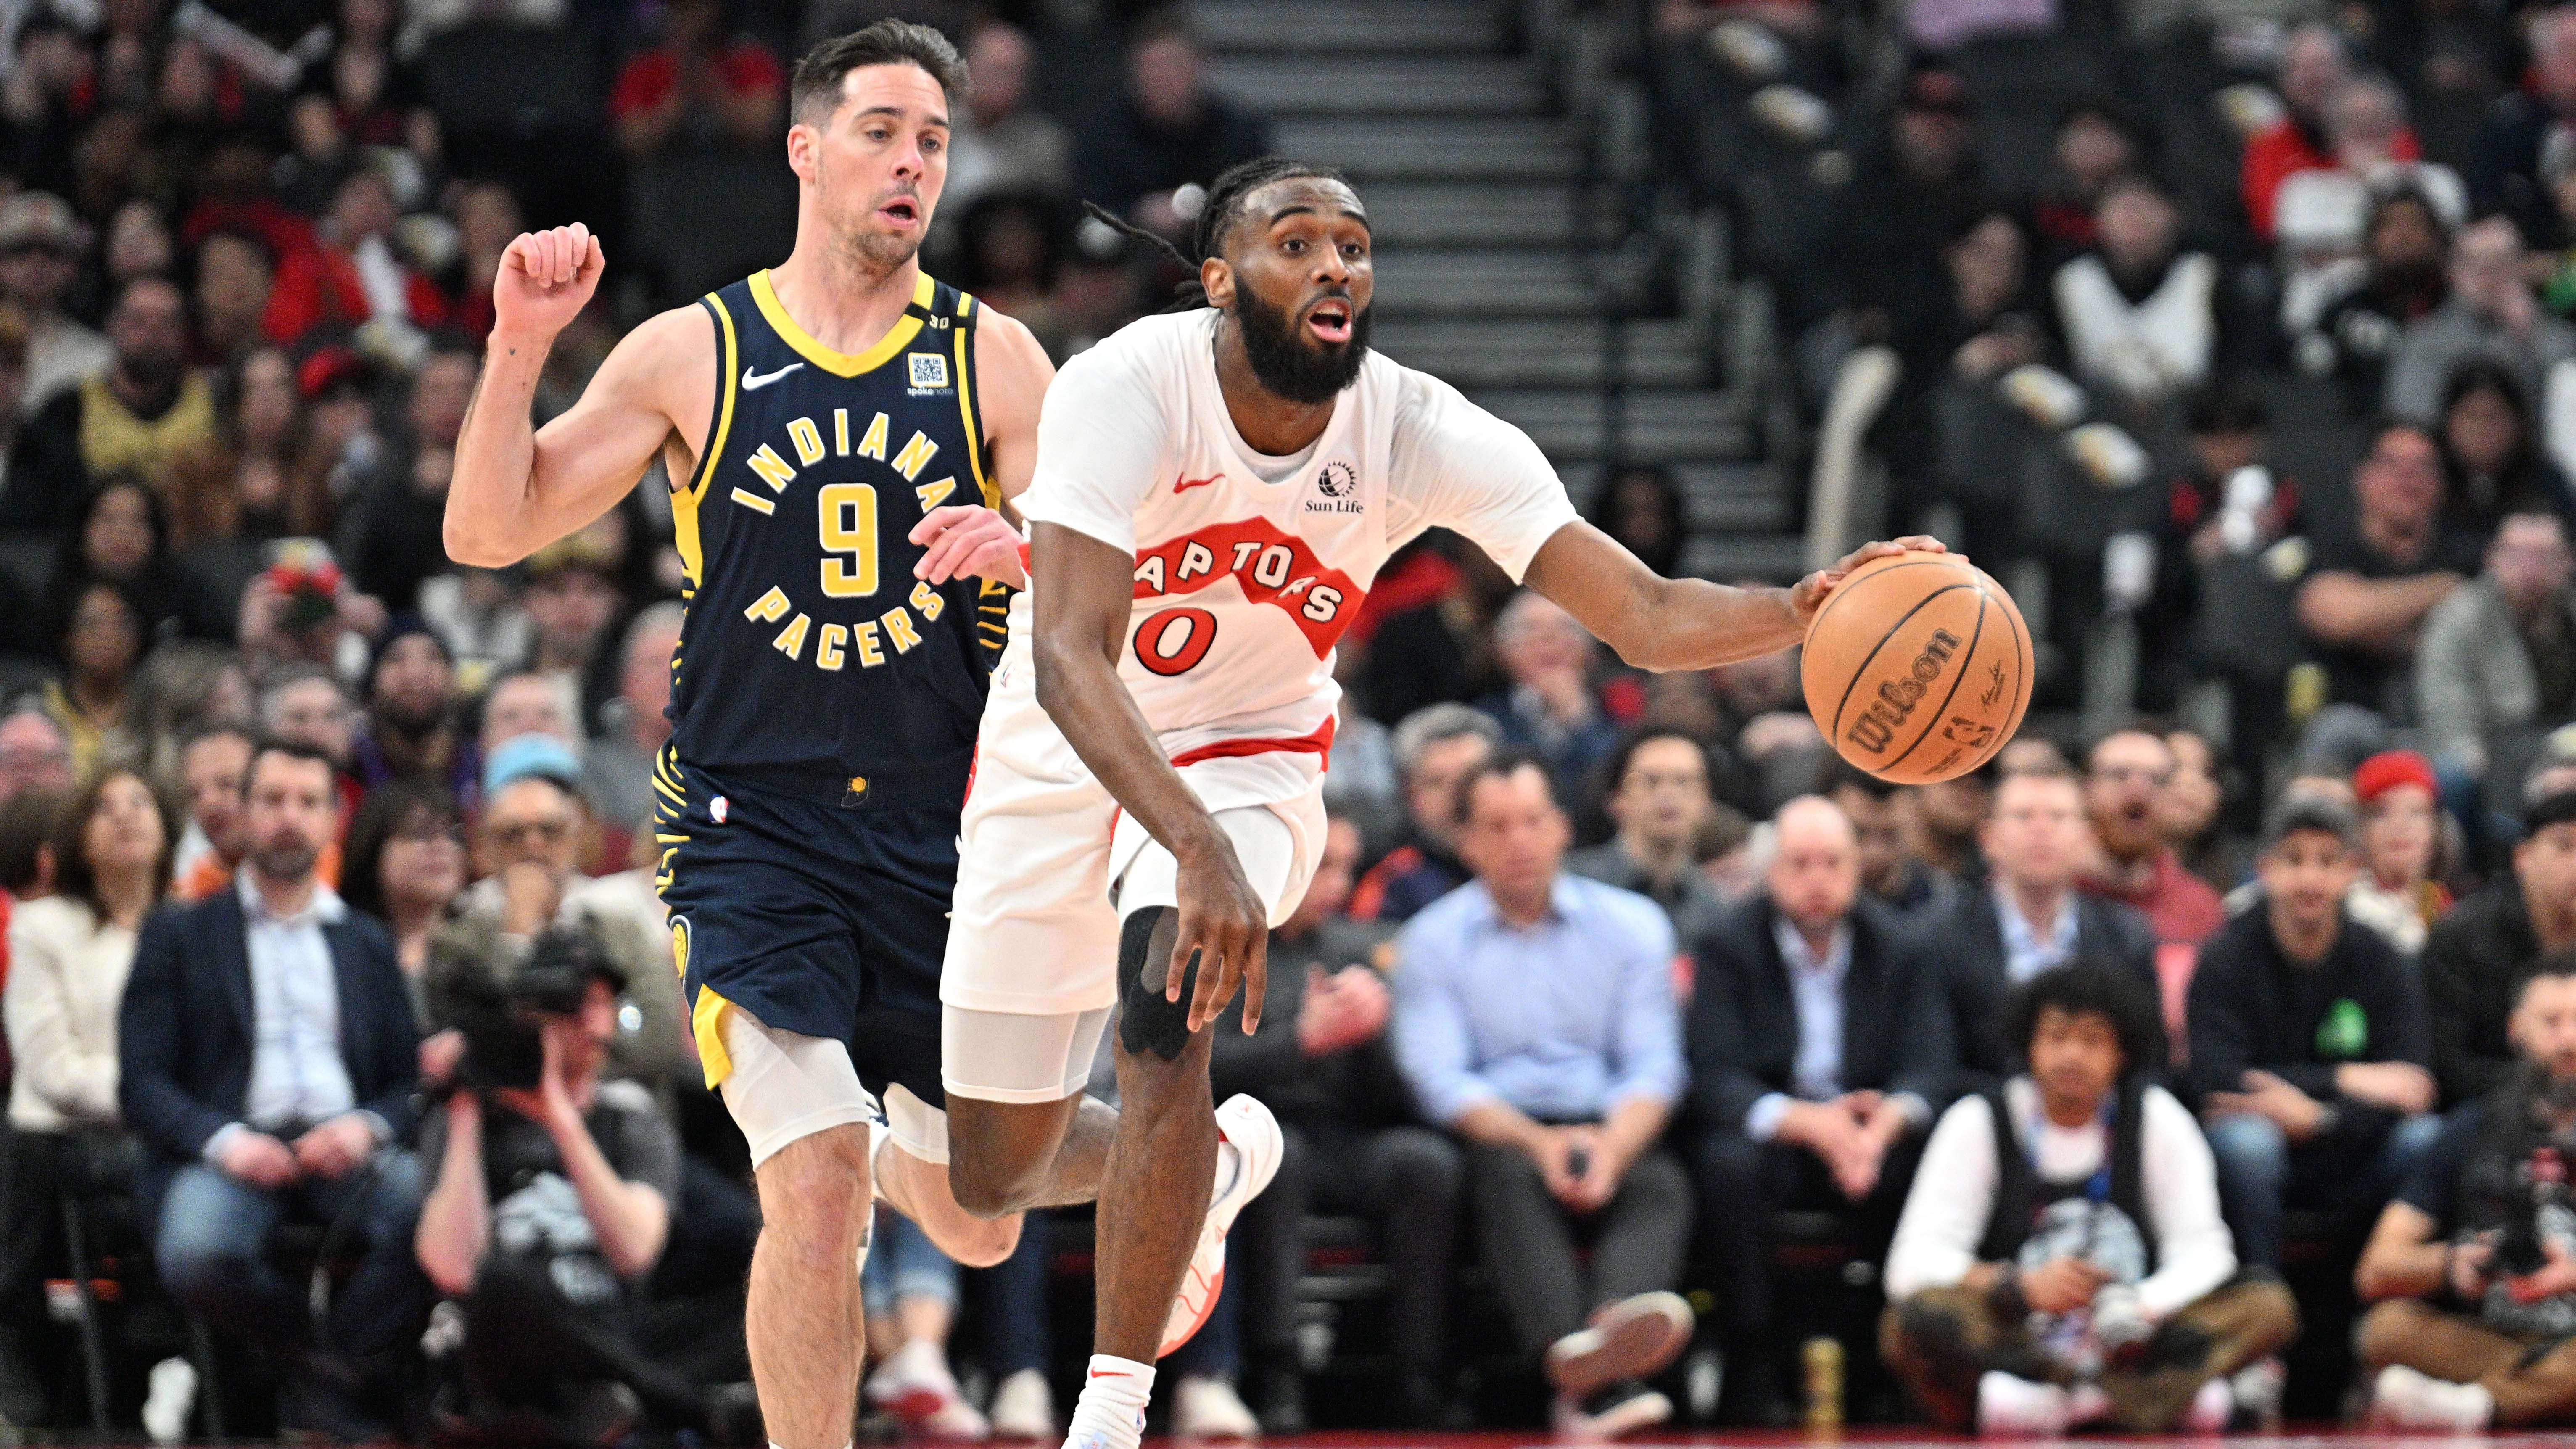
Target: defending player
[(830, 676), (1214, 492)]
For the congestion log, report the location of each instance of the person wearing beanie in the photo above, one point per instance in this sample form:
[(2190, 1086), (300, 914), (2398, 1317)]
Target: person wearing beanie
[(410, 701), (2401, 838)]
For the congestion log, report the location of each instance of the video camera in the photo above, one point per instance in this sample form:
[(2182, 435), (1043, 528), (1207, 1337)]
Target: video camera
[(502, 1019)]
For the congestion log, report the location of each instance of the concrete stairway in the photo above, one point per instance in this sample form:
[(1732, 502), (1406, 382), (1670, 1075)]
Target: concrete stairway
[(1482, 276)]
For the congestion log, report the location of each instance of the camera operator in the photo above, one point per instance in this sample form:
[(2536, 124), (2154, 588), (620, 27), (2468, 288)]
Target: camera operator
[(2476, 1259), (527, 849), (553, 1200)]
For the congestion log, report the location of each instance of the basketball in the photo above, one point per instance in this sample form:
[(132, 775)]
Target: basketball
[(1917, 667)]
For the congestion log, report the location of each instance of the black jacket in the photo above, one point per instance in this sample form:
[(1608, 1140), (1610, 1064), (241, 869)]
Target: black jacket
[(2475, 959), (184, 1031), (2252, 1008), (1743, 1028), (1969, 945)]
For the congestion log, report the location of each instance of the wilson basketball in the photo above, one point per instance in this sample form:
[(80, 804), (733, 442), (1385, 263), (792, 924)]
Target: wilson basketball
[(1917, 668)]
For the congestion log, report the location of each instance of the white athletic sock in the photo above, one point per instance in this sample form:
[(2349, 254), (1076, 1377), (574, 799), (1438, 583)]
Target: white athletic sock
[(1111, 1412)]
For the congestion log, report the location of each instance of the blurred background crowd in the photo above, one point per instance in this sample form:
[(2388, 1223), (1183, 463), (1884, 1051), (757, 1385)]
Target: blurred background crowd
[(2237, 337)]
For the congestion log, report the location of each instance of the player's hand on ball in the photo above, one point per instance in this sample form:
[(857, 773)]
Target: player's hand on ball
[(545, 279), (1224, 921), (963, 539), (1809, 594)]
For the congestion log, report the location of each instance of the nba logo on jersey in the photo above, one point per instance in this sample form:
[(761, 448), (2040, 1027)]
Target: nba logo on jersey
[(929, 370), (718, 808)]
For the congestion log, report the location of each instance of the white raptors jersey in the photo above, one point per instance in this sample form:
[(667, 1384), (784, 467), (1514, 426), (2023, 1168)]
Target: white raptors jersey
[(1248, 567)]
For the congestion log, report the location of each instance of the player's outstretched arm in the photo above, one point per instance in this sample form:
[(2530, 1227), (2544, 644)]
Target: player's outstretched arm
[(1083, 594), (516, 488), (1666, 624)]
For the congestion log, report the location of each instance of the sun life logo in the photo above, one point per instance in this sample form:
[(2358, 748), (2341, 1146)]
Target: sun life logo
[(1336, 480)]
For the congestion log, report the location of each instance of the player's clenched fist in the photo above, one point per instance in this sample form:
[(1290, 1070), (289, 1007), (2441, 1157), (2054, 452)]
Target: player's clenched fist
[(545, 279)]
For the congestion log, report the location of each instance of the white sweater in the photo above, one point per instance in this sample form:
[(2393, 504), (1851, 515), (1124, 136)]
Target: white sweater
[(66, 979), (1954, 1195), (2143, 351)]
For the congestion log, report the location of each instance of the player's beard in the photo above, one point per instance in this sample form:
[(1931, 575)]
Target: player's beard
[(1287, 364)]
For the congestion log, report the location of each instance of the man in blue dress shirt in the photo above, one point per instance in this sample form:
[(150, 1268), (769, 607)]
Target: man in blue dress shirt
[(1535, 1017)]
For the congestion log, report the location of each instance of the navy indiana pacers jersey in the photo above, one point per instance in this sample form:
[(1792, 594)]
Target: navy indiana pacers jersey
[(811, 659)]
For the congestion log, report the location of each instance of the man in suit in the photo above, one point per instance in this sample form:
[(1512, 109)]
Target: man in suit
[(2028, 918), (1818, 1041), (268, 1059)]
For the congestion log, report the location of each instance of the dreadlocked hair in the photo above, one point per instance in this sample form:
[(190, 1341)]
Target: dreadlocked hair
[(1217, 213)]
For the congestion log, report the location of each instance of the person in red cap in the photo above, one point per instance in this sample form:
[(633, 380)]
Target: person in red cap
[(2401, 838)]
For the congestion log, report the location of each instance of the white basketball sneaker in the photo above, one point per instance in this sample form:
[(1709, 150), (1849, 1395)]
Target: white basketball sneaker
[(1247, 1126)]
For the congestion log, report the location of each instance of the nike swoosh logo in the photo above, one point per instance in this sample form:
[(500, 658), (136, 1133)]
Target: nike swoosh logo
[(1186, 484), (755, 381)]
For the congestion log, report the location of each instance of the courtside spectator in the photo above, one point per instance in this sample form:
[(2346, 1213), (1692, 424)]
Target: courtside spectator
[(2028, 918), (2475, 958), (2074, 1204), (2401, 838), (267, 1057), (2310, 1055), (1000, 143), (2125, 773), (623, 756), (1818, 1044), (2474, 1264), (1535, 1017), (1659, 798), (1550, 707), (1915, 892), (2362, 310), (70, 953), (212, 762), (1434, 749), (406, 866)]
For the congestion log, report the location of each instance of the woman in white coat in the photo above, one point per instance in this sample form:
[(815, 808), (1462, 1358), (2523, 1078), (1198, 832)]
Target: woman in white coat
[(69, 954)]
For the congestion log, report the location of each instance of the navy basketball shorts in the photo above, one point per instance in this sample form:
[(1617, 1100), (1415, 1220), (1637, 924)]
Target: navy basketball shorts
[(819, 917)]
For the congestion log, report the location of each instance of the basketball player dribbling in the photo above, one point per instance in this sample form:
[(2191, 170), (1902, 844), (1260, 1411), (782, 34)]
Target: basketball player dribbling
[(1214, 491), (839, 432)]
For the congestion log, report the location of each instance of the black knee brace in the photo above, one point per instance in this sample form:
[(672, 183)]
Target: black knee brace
[(1145, 1020)]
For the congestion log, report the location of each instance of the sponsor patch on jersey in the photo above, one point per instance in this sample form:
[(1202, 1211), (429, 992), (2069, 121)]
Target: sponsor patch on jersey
[(1338, 485), (929, 370)]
